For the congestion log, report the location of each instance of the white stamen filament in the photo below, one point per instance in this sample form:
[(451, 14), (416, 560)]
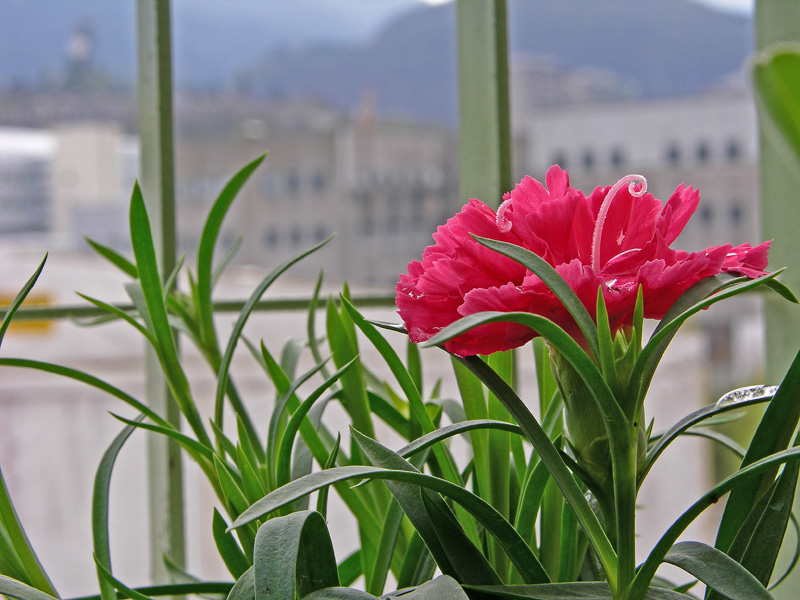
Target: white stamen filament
[(597, 238), (503, 223)]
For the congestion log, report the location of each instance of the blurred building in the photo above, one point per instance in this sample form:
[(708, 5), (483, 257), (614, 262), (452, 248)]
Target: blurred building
[(26, 160), (382, 188)]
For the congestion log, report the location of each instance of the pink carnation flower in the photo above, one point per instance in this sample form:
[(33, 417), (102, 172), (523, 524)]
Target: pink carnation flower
[(617, 239)]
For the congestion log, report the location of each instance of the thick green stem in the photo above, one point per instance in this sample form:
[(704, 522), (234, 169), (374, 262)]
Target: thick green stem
[(624, 457)]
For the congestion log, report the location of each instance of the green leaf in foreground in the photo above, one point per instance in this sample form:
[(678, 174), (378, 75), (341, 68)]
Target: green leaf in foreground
[(293, 557), (717, 570)]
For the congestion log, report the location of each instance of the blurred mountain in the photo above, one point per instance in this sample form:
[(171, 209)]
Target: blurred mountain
[(212, 39), (400, 52), (665, 47)]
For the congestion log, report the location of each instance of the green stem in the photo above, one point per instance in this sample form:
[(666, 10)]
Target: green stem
[(624, 453)]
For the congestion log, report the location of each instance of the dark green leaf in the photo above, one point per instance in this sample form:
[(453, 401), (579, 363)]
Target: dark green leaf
[(448, 431), (773, 434), (759, 539), (245, 587), (441, 588), (340, 593), (550, 456), (228, 548), (453, 551), (717, 570), (293, 557), (588, 590)]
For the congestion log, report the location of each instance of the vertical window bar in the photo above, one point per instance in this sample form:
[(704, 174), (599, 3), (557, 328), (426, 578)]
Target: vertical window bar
[(779, 21), (484, 115), (158, 187), (485, 155)]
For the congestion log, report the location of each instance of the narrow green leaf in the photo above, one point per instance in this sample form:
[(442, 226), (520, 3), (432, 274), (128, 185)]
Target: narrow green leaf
[(311, 326), (106, 575), (293, 426), (229, 550), (150, 280), (17, 547), (169, 282), (693, 419), (226, 260), (717, 570), (773, 433), (354, 394), (207, 589), (230, 487), (550, 456), (90, 380), (253, 490), (759, 540), (208, 240), (114, 257), (121, 314), (418, 564), (582, 590), (225, 363), (19, 299), (350, 568), (427, 440), (16, 589), (192, 447), (322, 496), (544, 271), (293, 557), (697, 298), (647, 570), (453, 551), (604, 340)]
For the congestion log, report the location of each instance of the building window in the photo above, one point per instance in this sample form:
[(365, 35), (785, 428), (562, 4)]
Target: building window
[(271, 238), (588, 160), (707, 215), (733, 151), (673, 155), (703, 152), (318, 181), (617, 157), (293, 182), (295, 235), (737, 213), (560, 159)]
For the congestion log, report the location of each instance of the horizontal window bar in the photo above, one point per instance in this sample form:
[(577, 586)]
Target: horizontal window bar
[(67, 311)]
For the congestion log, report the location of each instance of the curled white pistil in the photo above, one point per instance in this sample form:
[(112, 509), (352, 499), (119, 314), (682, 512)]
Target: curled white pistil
[(636, 192), (503, 223)]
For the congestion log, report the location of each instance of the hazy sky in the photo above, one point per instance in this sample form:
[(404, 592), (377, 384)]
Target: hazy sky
[(734, 5)]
